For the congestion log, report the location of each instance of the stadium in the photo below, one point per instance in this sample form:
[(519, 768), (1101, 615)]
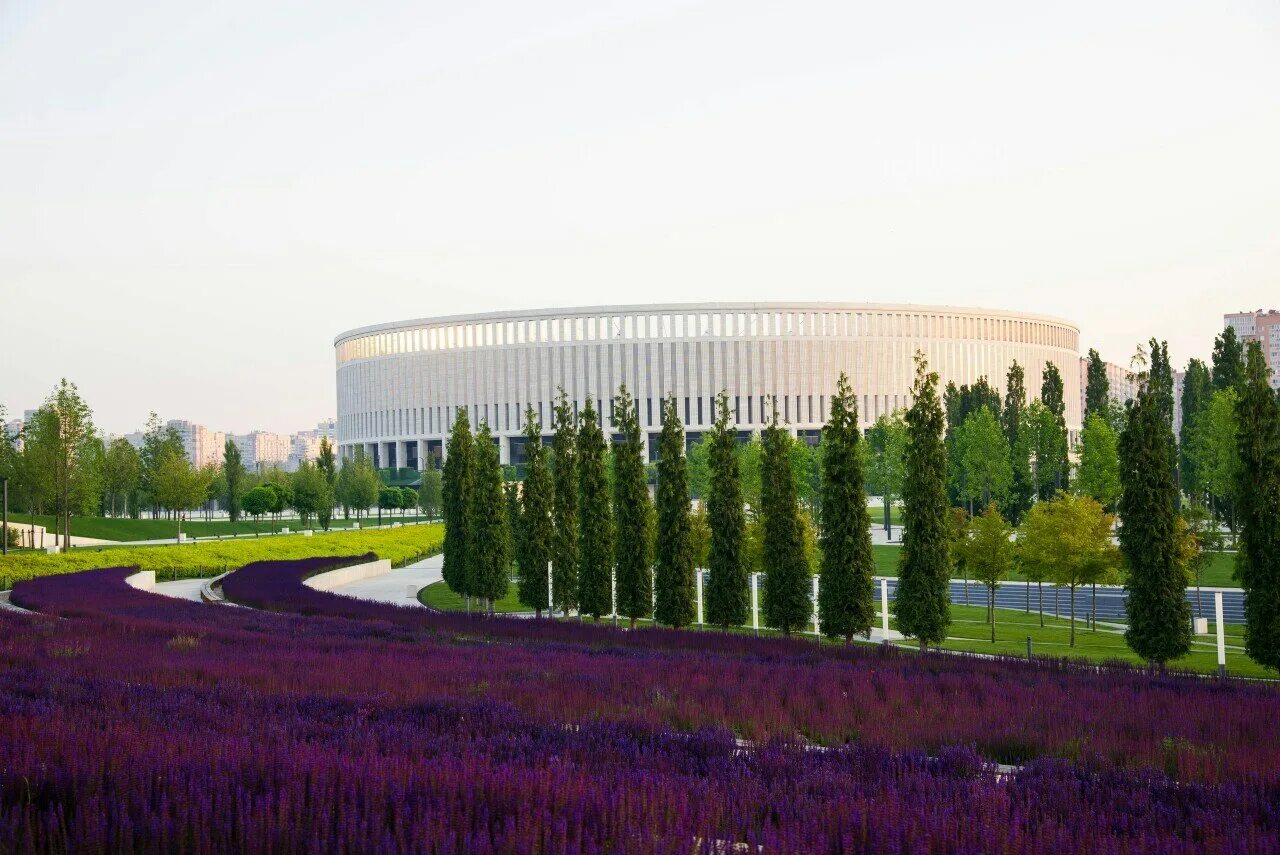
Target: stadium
[(400, 384)]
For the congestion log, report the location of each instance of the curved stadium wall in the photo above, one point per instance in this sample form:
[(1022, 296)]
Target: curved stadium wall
[(400, 384)]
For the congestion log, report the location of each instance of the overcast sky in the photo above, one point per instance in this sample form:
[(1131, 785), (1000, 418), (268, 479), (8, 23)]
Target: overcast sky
[(196, 197)]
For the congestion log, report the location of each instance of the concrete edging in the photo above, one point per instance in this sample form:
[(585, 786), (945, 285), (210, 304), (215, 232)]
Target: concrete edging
[(346, 575)]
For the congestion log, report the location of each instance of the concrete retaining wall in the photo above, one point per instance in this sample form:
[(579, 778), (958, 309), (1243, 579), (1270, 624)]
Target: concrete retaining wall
[(347, 575), (143, 580)]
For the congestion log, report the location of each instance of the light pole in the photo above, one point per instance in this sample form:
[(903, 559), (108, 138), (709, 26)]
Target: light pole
[(4, 522)]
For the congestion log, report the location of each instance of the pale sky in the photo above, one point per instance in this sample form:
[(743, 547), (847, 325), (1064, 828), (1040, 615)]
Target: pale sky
[(196, 197)]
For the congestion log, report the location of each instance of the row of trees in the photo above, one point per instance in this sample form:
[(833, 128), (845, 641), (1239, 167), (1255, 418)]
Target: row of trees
[(60, 465)]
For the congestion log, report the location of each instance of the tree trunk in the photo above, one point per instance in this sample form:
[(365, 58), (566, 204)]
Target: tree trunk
[(888, 525), (991, 600), (1073, 616), (1093, 607), (1040, 585)]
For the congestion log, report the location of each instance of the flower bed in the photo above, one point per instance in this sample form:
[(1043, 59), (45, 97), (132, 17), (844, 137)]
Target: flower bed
[(150, 723)]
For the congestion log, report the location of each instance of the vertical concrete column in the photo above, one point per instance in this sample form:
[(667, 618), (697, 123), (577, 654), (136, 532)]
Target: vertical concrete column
[(422, 454)]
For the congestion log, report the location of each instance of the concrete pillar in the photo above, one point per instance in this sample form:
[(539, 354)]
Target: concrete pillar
[(422, 454), (504, 450)]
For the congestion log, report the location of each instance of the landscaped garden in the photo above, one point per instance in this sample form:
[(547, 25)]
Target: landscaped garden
[(318, 721)]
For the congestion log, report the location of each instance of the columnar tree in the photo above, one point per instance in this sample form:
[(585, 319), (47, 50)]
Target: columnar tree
[(564, 513), (536, 528), (674, 558), (488, 558), (327, 463), (988, 554), (1258, 501), (1022, 488), (1159, 614), (1160, 381), (787, 602), (1228, 360), (1054, 468), (1097, 390), (632, 512), (727, 588), (458, 475), (1215, 453), (1197, 387), (121, 470), (595, 552), (886, 444), (923, 604), (1099, 472), (845, 597)]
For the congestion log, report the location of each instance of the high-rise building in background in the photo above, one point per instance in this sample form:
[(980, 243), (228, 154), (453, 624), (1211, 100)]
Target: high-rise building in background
[(204, 447), (261, 450), (1262, 327)]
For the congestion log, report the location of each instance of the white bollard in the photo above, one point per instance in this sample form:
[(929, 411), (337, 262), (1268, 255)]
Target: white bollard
[(1222, 634), (755, 602), (816, 625), (884, 608), (697, 574), (411, 591), (551, 601), (613, 595), (653, 593)]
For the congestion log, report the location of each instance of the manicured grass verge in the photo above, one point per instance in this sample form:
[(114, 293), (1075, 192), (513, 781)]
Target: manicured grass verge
[(124, 529), (400, 545), (439, 596)]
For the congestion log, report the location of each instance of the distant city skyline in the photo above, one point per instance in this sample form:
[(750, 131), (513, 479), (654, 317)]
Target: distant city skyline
[(195, 207)]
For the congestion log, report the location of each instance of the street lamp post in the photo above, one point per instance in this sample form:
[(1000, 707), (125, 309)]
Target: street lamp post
[(4, 524)]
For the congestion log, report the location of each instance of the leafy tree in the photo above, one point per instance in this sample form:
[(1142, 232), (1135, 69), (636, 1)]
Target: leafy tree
[(388, 500), (1044, 440), (1215, 451), (1258, 501), (987, 553), (157, 442), (431, 492), (67, 443), (258, 501), (957, 534), (121, 472), (488, 558), (1197, 387), (749, 457), (536, 531), (1159, 614), (845, 595), (787, 602), (328, 466), (1097, 390), (728, 592), (459, 464), (698, 462), (673, 577), (1228, 360), (408, 500), (233, 475), (564, 514), (1099, 472), (1052, 463), (1022, 487), (310, 492), (986, 473), (177, 485), (595, 520), (1204, 531), (886, 472), (923, 604), (806, 468), (362, 483), (699, 537), (277, 484), (959, 404), (633, 513)]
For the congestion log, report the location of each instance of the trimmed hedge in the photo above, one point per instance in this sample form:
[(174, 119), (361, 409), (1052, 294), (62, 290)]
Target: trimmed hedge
[(402, 545)]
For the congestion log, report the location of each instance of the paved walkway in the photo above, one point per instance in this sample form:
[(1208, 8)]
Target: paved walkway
[(400, 586), (183, 589)]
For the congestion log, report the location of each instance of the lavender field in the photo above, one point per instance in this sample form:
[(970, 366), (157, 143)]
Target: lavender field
[(314, 722)]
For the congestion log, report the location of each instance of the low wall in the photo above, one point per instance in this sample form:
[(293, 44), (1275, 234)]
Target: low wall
[(143, 580), (346, 575)]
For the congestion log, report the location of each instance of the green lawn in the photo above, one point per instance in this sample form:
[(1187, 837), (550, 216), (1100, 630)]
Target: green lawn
[(438, 595), (125, 530)]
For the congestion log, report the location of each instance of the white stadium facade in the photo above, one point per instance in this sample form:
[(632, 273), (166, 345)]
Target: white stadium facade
[(400, 384)]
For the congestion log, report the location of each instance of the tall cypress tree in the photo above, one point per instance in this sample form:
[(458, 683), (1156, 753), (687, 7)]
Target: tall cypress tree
[(632, 511), (564, 513), (1228, 360), (1160, 380), (488, 548), (1197, 388), (923, 604), (845, 594), (787, 602), (536, 528), (1097, 390), (595, 521), (1051, 395), (456, 499), (1258, 510), (674, 564), (728, 597), (1022, 490), (1159, 613)]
